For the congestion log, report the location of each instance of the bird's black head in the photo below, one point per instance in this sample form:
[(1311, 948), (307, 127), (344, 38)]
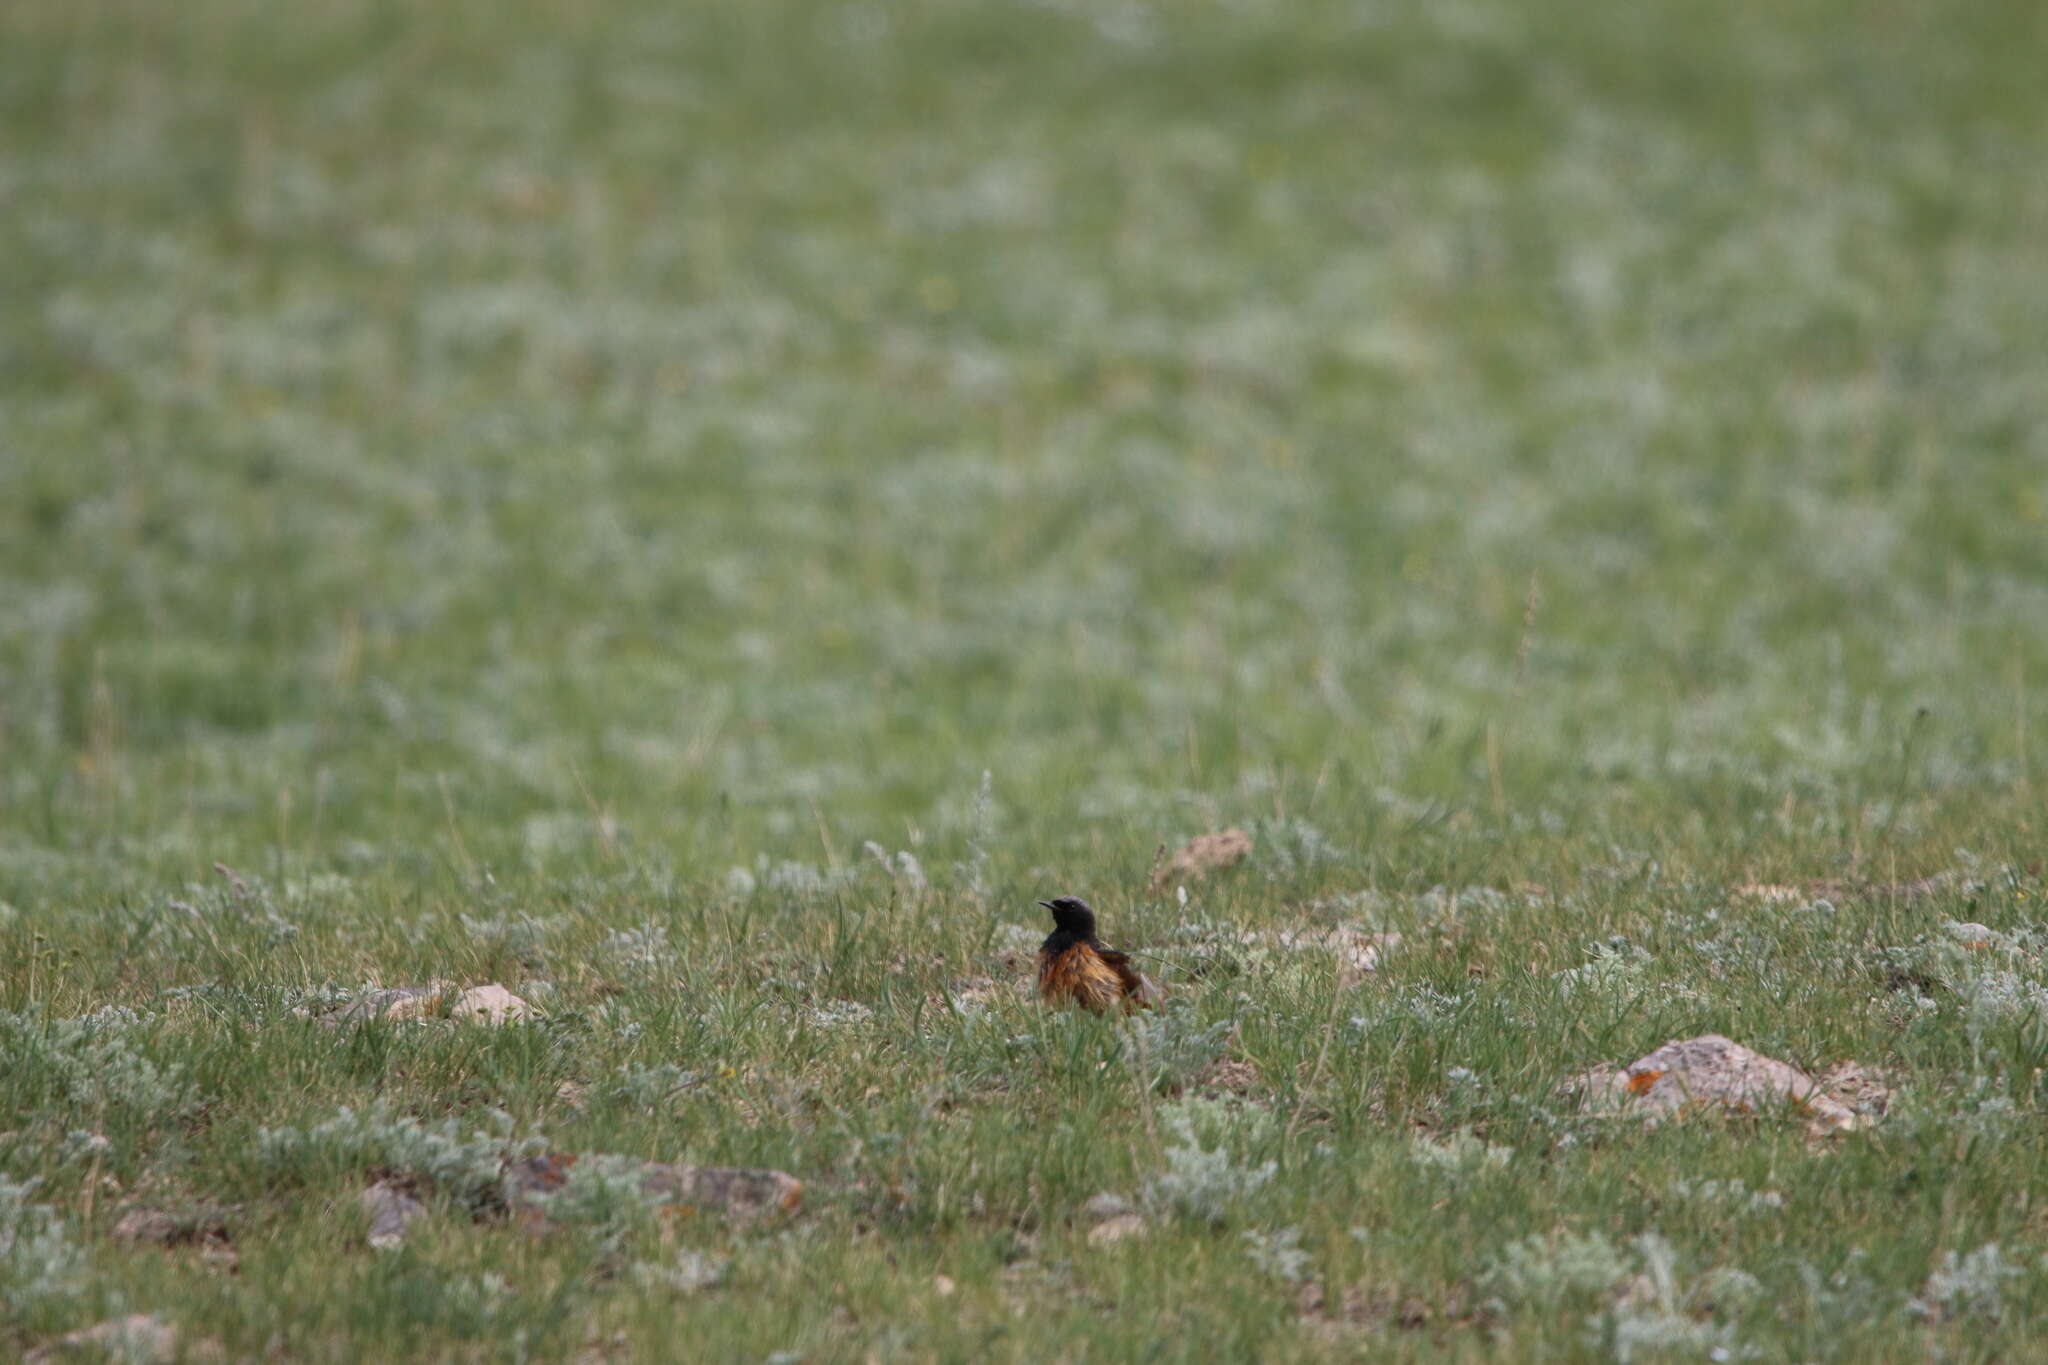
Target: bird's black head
[(1072, 915)]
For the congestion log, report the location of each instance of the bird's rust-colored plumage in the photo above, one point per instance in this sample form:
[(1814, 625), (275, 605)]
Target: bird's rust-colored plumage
[(1075, 969)]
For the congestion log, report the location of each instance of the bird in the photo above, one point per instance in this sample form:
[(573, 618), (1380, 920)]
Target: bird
[(1074, 967)]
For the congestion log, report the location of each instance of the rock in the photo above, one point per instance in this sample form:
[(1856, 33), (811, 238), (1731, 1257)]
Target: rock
[(943, 1286), (1340, 1322), (136, 1338), (1201, 855), (391, 1209), (1121, 1228), (143, 1224), (1840, 890), (1102, 1207), (1358, 952), (739, 1194), (394, 1003), (1866, 1092), (489, 1004), (1710, 1070), (201, 1228)]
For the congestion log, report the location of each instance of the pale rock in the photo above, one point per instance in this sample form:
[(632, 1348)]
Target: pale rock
[(1121, 1228), (741, 1195), (1710, 1071), (490, 1004), (138, 1337), (1203, 854), (1102, 1207), (391, 1210)]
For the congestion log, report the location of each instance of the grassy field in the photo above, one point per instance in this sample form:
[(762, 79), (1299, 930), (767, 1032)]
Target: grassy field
[(702, 514)]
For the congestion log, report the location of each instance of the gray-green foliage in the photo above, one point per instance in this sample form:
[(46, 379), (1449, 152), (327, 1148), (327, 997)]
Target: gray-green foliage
[(1970, 1283), (39, 1260), (94, 1062), (603, 1193), (702, 513), (464, 1163), (1206, 1175)]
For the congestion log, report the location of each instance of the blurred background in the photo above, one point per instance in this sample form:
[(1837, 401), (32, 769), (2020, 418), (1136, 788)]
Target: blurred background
[(546, 428)]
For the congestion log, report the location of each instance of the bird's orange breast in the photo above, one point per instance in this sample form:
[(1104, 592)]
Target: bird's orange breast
[(1078, 975)]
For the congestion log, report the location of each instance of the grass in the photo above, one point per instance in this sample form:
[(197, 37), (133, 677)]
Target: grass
[(539, 489)]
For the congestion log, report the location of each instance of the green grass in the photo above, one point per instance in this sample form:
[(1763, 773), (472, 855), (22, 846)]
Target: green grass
[(538, 488)]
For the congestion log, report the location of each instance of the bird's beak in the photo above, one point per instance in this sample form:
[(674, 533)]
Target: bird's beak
[(1046, 904)]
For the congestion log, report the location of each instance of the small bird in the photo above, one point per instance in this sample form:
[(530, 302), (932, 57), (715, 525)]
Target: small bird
[(1074, 967)]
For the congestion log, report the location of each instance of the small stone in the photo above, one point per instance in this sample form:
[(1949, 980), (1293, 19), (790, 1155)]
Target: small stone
[(394, 1003), (144, 1224), (136, 1338), (490, 1004), (1838, 890), (201, 1228), (1358, 951), (1709, 1070), (739, 1194), (1121, 1228), (1105, 1206), (1203, 854), (943, 1286), (1865, 1091), (391, 1209)]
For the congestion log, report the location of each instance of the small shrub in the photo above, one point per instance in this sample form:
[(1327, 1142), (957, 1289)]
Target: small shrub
[(1201, 1182), (465, 1168), (39, 1263)]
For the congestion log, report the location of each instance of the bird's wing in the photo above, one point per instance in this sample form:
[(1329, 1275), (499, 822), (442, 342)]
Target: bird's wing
[(1136, 985)]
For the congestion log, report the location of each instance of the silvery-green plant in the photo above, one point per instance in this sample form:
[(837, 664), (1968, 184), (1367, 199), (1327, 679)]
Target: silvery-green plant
[(647, 1086), (1543, 1272), (39, 1263), (1202, 1182), (1460, 1152), (96, 1061), (641, 949), (1609, 970), (838, 1014), (1970, 1284), (1733, 1194), (690, 1272), (1656, 1333), (1659, 1313), (1171, 1049), (605, 1193), (465, 1166), (1279, 1253)]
